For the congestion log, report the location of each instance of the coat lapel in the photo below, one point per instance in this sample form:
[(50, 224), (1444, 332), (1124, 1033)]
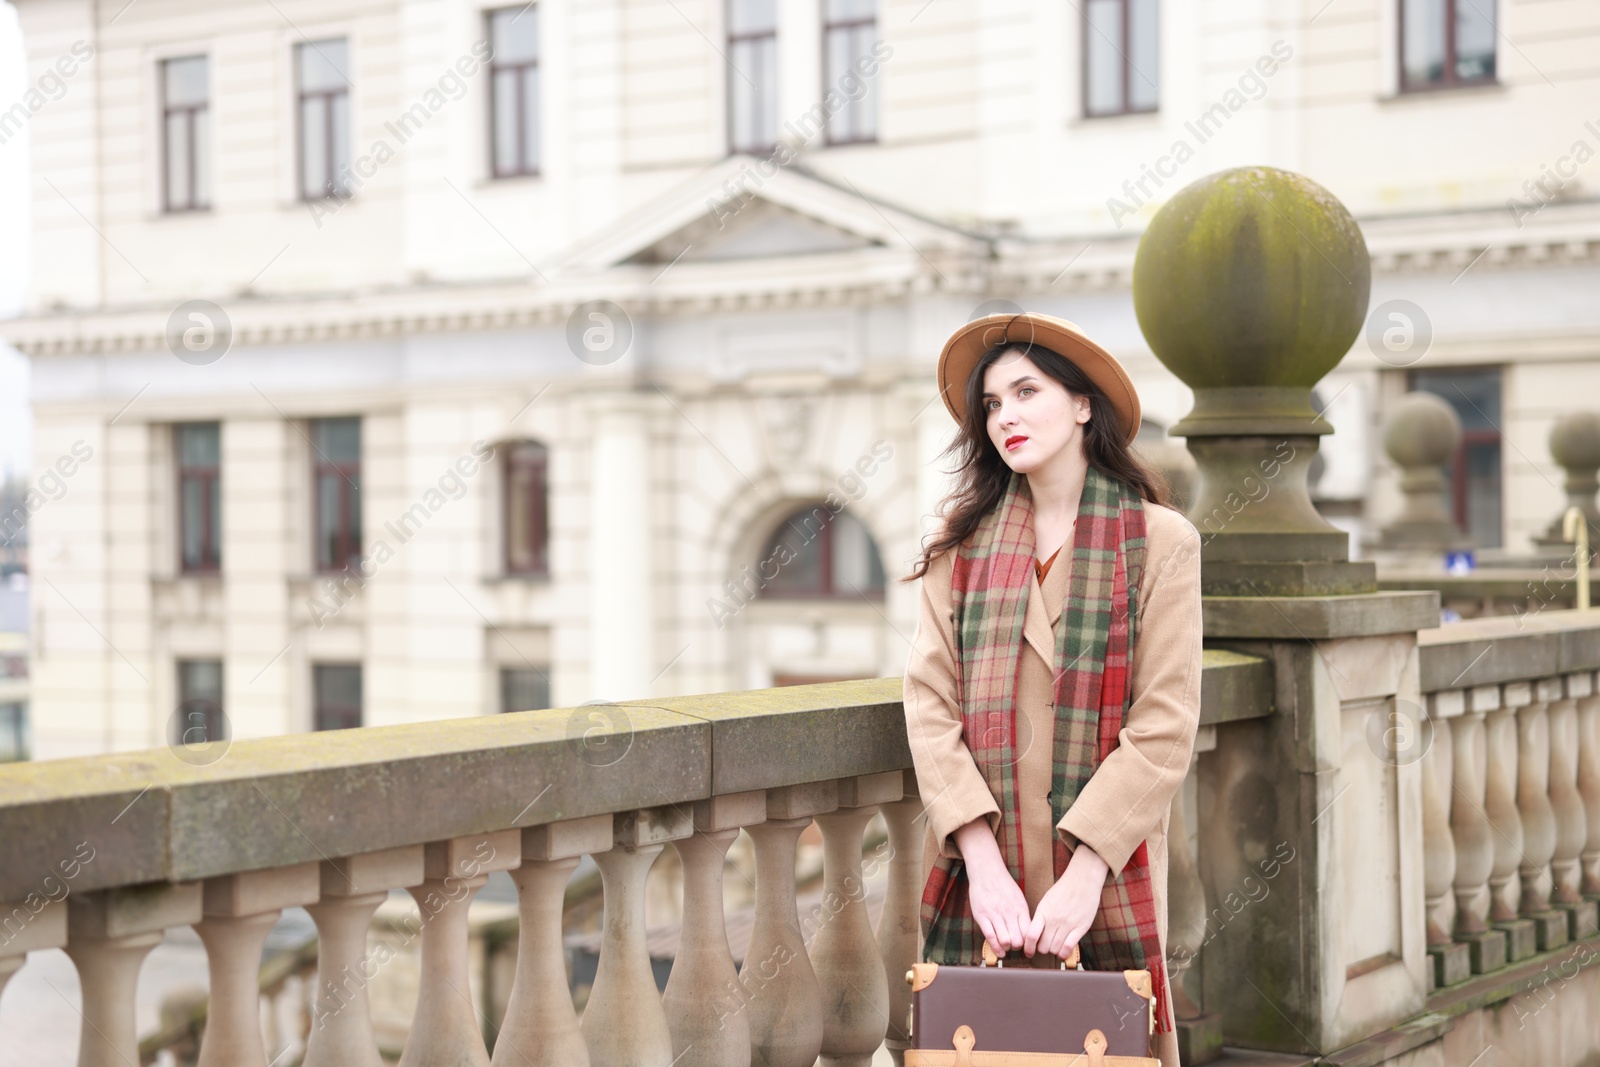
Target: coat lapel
[(1044, 606)]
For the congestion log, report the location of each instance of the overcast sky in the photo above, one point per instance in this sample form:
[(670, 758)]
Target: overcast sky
[(15, 234)]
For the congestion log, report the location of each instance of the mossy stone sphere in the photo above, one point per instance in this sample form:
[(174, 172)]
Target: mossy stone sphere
[(1575, 440), (1422, 431), (1251, 277)]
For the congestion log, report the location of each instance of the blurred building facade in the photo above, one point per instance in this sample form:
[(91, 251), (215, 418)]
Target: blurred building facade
[(401, 361)]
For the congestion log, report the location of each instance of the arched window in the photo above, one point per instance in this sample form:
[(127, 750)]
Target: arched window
[(525, 506), (817, 553)]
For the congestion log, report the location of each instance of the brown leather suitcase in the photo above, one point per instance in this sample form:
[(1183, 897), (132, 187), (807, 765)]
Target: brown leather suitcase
[(1025, 1016)]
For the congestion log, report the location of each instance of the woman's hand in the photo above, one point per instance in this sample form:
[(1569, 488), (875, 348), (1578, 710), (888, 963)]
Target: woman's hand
[(1068, 909), (997, 901)]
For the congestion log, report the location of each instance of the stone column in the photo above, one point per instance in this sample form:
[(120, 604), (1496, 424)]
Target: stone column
[(1538, 817), (341, 1013), (784, 998), (240, 910), (1566, 802), (704, 1011), (1500, 804), (445, 1026), (900, 926), (844, 953), (541, 1027), (624, 1024), (1250, 285), (1452, 962), (621, 548), (1469, 826), (109, 933)]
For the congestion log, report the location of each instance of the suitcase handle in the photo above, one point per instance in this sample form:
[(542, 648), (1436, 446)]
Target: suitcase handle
[(1072, 959)]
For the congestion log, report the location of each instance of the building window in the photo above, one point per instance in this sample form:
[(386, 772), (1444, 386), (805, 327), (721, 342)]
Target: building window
[(337, 696), (753, 77), (848, 31), (13, 732), (1445, 43), (819, 553), (1121, 72), (524, 689), (200, 716), (336, 479), (186, 131), (323, 84), (199, 497), (1475, 472), (527, 497), (514, 91)]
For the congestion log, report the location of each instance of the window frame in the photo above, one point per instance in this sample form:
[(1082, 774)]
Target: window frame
[(1125, 65), (210, 479), (521, 68), (1450, 80), (349, 473), (317, 704), (216, 719), (196, 202), (730, 40), (829, 28), (826, 590), (539, 508), (333, 188)]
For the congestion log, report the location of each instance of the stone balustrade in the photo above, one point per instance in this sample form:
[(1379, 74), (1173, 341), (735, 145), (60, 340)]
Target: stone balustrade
[(1510, 744), (101, 856)]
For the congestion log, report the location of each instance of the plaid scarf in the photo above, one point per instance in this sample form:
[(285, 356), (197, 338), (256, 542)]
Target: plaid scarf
[(992, 573)]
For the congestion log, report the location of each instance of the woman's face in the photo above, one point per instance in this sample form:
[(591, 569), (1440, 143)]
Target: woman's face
[(1030, 416)]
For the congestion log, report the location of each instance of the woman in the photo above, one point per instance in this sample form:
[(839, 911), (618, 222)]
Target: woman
[(1053, 689)]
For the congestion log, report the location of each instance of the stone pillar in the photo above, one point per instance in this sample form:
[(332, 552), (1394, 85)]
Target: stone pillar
[(541, 1027), (341, 1012), (239, 911), (899, 927), (109, 933), (445, 1026), (1199, 1031), (624, 1024), (704, 1011), (1250, 285), (621, 548), (1421, 437), (1575, 445), (784, 998), (844, 953)]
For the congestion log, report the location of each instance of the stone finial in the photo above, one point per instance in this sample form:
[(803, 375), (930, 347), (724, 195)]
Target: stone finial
[(1250, 285), (1420, 436), (1575, 445)]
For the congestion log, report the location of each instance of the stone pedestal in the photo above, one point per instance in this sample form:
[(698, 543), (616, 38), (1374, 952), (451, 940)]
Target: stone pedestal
[(1200, 1038), (1486, 950), (1452, 964), (1522, 939)]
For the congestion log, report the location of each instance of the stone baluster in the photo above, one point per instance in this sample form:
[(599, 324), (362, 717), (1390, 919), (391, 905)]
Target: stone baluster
[(1572, 824), (623, 1023), (704, 1009), (353, 887), (844, 953), (1452, 961), (1589, 789), (109, 933), (45, 926), (239, 911), (1469, 825), (900, 924), (541, 1027), (445, 1027), (785, 1001), (1538, 817), (1500, 804), (1199, 1032)]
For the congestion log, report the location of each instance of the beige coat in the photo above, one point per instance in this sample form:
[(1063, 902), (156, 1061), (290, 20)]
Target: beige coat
[(1129, 797)]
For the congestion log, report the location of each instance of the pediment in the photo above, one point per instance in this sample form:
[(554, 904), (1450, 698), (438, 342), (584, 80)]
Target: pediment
[(746, 209), (752, 229)]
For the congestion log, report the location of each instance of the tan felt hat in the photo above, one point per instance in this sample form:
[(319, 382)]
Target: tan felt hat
[(968, 344)]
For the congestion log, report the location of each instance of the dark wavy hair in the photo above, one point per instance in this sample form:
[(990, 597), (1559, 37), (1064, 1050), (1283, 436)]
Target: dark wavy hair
[(983, 473)]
